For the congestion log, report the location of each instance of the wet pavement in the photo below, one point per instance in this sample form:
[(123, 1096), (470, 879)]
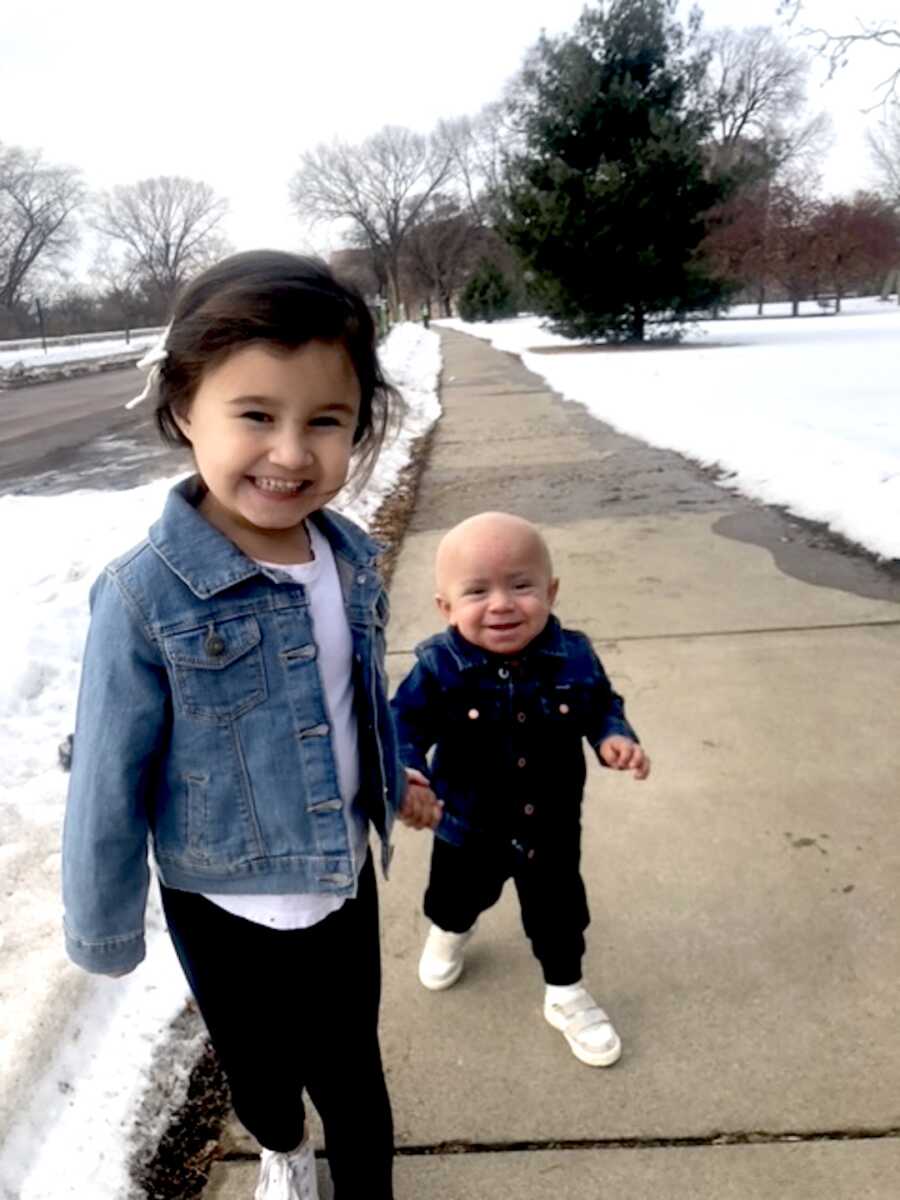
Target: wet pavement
[(76, 433)]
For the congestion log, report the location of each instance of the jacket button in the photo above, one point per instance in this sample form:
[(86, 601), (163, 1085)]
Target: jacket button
[(530, 854), (521, 762), (214, 646), (473, 714), (360, 578), (564, 708), (503, 673), (520, 717), (528, 810)]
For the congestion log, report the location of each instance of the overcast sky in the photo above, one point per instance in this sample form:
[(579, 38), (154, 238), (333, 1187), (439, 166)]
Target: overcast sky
[(231, 93)]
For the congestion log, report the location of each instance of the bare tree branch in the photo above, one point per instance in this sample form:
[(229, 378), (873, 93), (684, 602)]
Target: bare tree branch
[(835, 48)]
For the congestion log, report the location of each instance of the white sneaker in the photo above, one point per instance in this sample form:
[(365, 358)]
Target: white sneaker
[(441, 963), (288, 1176), (586, 1027)]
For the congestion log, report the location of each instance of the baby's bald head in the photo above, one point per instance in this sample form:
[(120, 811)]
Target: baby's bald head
[(495, 580), (491, 536)]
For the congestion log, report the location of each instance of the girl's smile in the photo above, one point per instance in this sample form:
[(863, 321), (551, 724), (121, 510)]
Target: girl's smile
[(272, 433)]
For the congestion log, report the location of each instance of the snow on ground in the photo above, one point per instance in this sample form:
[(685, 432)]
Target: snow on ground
[(34, 356), (76, 1051), (802, 413)]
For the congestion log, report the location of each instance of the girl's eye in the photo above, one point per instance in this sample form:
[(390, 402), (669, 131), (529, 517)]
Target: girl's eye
[(323, 422), (257, 417)]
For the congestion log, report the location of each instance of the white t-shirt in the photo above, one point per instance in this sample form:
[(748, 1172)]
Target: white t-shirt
[(331, 633)]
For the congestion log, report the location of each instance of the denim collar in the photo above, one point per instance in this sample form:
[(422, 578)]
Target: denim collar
[(549, 642), (208, 562)]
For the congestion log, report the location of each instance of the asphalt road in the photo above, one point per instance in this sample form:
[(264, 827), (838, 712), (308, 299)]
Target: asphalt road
[(76, 433)]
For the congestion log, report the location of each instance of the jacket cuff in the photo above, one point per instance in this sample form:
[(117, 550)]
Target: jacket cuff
[(111, 956), (410, 757), (615, 727)]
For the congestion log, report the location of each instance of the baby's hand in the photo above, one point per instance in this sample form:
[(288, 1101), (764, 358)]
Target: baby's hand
[(622, 754), (420, 809)]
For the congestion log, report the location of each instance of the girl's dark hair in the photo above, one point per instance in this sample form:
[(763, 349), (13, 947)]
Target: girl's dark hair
[(287, 300)]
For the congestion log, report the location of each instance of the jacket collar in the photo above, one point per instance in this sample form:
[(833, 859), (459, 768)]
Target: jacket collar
[(548, 643), (208, 562)]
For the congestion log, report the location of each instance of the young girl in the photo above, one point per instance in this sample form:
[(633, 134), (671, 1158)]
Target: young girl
[(233, 709)]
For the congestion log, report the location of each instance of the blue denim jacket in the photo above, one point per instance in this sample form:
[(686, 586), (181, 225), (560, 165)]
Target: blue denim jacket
[(507, 733), (202, 724)]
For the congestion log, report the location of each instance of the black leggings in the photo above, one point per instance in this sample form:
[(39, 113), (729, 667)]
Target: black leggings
[(467, 880), (288, 1009)]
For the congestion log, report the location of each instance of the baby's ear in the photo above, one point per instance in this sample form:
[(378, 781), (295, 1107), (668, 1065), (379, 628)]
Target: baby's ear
[(553, 591), (443, 606)]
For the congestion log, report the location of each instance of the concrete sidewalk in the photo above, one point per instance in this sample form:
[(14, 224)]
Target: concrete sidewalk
[(744, 900)]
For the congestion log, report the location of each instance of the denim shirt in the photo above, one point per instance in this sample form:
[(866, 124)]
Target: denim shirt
[(202, 724), (507, 733)]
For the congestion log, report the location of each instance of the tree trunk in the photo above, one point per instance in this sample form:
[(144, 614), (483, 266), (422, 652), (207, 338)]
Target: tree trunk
[(760, 299), (837, 299), (795, 306)]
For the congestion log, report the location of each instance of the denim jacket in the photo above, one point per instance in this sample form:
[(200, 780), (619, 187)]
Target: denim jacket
[(202, 724), (507, 732)]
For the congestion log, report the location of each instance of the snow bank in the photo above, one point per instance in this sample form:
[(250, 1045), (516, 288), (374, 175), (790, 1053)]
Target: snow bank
[(77, 1051), (801, 413)]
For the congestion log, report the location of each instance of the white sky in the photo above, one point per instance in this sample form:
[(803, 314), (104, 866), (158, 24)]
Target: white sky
[(231, 93)]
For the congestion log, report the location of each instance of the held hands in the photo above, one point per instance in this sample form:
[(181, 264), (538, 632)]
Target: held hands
[(420, 809), (622, 754)]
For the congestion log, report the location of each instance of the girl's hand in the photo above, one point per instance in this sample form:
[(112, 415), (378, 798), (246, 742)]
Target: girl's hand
[(622, 754), (420, 809)]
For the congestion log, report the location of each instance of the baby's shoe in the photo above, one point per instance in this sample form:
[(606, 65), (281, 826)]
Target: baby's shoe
[(289, 1176), (441, 963), (583, 1023)]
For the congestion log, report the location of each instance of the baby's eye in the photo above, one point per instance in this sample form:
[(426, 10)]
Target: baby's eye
[(257, 417), (523, 585)]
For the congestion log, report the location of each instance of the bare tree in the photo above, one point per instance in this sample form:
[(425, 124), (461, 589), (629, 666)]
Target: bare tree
[(381, 187), (38, 203), (855, 238), (755, 85), (167, 227), (754, 81), (835, 47), (792, 250), (444, 248)]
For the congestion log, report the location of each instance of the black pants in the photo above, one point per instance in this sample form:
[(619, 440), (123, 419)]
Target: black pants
[(467, 880), (288, 1009)]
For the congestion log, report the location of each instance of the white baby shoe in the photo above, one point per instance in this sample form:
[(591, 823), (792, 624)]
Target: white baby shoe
[(441, 963), (289, 1176), (584, 1025)]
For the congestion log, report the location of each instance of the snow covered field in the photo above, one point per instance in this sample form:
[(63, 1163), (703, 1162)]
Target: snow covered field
[(76, 1052), (802, 413)]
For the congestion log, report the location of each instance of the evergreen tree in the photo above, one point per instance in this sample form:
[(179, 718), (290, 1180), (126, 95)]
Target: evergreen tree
[(487, 295), (606, 204)]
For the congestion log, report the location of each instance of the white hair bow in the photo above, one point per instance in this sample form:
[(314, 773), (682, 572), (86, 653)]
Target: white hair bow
[(151, 362)]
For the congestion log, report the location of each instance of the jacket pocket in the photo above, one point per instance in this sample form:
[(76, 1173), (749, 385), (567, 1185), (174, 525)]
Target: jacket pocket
[(217, 669)]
